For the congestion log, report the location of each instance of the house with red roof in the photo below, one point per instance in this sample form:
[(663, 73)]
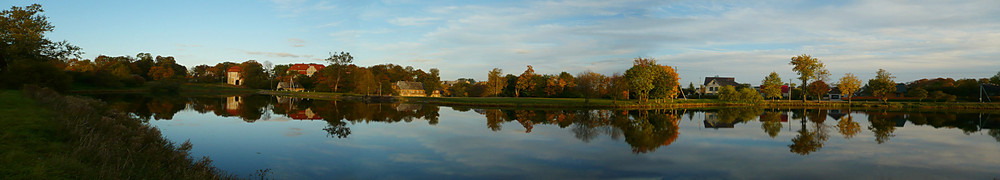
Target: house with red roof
[(305, 69), (233, 75)]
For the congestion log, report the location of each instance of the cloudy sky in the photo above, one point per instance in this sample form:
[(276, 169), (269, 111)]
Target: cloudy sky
[(745, 39)]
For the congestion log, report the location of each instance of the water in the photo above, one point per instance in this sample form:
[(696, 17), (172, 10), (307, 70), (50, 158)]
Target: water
[(315, 139)]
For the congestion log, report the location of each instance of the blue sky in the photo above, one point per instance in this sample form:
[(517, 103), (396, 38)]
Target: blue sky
[(745, 39)]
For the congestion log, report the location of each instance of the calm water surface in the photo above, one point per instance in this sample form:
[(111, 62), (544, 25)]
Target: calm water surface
[(314, 139)]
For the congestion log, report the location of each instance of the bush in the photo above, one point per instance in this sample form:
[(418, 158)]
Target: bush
[(118, 146), (45, 74)]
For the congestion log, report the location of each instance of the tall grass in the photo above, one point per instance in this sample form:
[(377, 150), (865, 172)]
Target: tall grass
[(117, 146)]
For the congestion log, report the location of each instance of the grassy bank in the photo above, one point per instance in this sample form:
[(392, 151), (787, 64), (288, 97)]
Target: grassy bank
[(567, 102), (683, 103), (49, 136)]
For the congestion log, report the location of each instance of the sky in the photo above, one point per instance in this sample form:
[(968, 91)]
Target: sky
[(742, 39)]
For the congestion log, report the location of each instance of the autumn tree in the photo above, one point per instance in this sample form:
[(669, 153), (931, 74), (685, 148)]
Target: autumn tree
[(590, 84), (525, 81), (808, 68), (771, 85), (618, 88), (818, 89), (431, 81), (848, 85), (496, 82), (883, 85), (666, 83)]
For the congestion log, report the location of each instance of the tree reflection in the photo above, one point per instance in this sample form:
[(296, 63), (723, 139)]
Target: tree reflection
[(771, 123), (848, 127), (810, 141), (882, 124)]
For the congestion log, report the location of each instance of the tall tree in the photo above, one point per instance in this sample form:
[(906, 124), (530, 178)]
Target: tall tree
[(882, 85), (848, 85), (525, 81), (666, 83), (338, 63), (918, 93), (619, 87), (496, 82), (22, 37), (641, 77), (366, 82), (771, 85), (590, 84), (808, 68)]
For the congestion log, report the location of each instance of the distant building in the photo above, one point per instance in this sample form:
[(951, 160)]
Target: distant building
[(305, 69), (306, 114), (233, 75), (712, 84), (712, 121), (412, 89)]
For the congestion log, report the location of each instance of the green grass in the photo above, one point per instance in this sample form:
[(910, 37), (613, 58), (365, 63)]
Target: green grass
[(45, 135), (32, 144)]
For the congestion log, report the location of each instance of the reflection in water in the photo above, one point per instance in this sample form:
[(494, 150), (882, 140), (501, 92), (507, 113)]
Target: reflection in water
[(644, 130)]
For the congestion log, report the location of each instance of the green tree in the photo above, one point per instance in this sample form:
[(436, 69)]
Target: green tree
[(808, 68), (22, 36), (848, 85), (365, 84), (883, 85), (642, 76), (525, 82), (749, 95), (771, 85), (995, 79), (728, 93), (496, 82), (918, 93), (666, 82), (431, 81)]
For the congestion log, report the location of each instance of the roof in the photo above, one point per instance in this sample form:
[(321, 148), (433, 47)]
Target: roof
[(235, 69), (303, 67), (409, 85), (722, 81)]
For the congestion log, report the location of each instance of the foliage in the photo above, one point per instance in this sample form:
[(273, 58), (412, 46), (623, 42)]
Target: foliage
[(666, 83), (591, 84), (883, 85), (525, 81), (749, 95), (771, 85), (460, 89), (431, 81), (22, 36), (995, 79), (496, 83), (646, 78), (619, 87), (728, 93), (366, 82), (43, 74), (918, 93), (344, 58), (818, 89), (848, 85), (808, 68)]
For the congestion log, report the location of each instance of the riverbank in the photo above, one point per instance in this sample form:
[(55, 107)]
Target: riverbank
[(49, 136), (530, 102)]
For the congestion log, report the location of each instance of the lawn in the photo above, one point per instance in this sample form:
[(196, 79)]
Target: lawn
[(32, 144)]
